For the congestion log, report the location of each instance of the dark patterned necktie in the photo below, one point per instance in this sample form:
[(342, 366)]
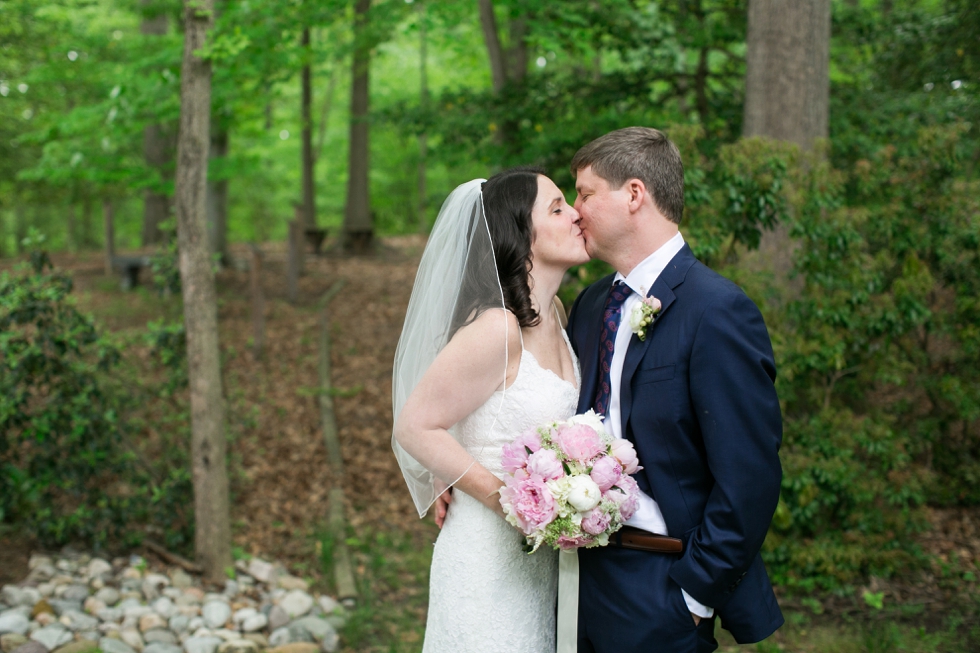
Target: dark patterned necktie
[(611, 318)]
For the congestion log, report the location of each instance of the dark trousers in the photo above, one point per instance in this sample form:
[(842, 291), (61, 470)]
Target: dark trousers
[(629, 604)]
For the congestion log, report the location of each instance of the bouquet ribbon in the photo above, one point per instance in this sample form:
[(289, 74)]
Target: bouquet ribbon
[(567, 601)]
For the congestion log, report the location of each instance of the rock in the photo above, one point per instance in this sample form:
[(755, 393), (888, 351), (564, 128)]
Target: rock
[(299, 634), (201, 644), (52, 636), (159, 636), (96, 583), (31, 596), (14, 623), (12, 595), (77, 593), (151, 621), (279, 637), (93, 605), (296, 603), (76, 620), (296, 647), (41, 607), (227, 635), (97, 567), (327, 603), (318, 628), (242, 614), (11, 641), (195, 624), (22, 610), (31, 647), (231, 588), (137, 611), (132, 573), (196, 593), (255, 623), (158, 647), (43, 572), (61, 606), (277, 618), (216, 613), (90, 635), (108, 595), (81, 646), (46, 589), (180, 579), (110, 645), (293, 583), (262, 571), (239, 646), (179, 623), (132, 638), (44, 619), (164, 607), (258, 638), (330, 643), (186, 600), (110, 614)]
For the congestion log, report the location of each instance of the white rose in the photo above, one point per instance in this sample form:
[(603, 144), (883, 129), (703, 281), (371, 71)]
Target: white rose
[(583, 493), (636, 318)]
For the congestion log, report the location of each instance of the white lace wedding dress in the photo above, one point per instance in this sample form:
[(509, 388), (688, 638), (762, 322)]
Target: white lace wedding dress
[(485, 592)]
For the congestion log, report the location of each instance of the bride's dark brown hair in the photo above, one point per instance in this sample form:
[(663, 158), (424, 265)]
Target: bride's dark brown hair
[(508, 198)]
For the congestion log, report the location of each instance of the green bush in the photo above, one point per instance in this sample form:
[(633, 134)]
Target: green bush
[(67, 471)]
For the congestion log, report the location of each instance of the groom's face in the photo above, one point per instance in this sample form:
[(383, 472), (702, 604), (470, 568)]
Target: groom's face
[(601, 209)]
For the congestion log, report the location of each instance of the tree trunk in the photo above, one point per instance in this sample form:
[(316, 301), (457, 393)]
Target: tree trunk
[(71, 226), (20, 226), (491, 36), (358, 227), (424, 102), (85, 239), (217, 198), (508, 66), (787, 80), (108, 234), (309, 197), (212, 542), (156, 149)]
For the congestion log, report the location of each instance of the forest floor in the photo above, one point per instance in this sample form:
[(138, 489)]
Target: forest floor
[(281, 477)]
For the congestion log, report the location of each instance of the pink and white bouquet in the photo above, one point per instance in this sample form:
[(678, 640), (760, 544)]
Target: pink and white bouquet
[(569, 483)]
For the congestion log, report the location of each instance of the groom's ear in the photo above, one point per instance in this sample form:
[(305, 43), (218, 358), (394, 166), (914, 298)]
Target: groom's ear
[(637, 194)]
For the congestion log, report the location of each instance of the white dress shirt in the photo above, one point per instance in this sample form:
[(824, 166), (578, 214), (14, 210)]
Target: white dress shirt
[(641, 278)]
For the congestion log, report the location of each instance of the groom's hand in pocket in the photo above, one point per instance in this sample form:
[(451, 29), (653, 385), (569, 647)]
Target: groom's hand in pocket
[(697, 619), (442, 506)]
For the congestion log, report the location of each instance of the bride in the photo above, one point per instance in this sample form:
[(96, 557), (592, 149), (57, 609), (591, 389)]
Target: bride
[(483, 358)]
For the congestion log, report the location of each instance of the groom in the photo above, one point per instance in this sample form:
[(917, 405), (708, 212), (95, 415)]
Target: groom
[(695, 396)]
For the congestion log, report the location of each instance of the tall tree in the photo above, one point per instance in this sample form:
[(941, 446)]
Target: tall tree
[(308, 162), (208, 447), (787, 78), (508, 60), (358, 225), (156, 145), (217, 192)]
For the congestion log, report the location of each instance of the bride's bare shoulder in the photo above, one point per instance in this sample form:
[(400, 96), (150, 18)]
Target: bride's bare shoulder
[(494, 325)]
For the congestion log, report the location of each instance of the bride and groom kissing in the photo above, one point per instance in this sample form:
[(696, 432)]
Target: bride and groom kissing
[(484, 357)]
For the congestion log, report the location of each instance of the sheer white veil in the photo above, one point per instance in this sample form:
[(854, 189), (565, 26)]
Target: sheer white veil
[(456, 281)]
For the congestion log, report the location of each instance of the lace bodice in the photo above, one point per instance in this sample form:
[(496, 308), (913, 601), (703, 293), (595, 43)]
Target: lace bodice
[(485, 592)]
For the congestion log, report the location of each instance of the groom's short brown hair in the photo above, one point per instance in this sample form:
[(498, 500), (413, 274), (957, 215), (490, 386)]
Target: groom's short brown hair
[(640, 153)]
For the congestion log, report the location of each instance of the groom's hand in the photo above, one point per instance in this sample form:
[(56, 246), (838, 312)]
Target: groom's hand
[(697, 619), (442, 506)]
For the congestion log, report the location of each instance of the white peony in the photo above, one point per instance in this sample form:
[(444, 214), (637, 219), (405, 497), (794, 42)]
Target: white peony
[(636, 319), (593, 421), (583, 493)]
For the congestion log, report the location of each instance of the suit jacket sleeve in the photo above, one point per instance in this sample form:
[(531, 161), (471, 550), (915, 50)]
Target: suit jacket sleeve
[(734, 400)]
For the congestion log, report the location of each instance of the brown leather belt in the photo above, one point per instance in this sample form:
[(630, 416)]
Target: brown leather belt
[(639, 540)]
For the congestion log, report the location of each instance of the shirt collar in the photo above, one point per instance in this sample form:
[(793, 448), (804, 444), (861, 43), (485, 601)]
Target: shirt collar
[(642, 277)]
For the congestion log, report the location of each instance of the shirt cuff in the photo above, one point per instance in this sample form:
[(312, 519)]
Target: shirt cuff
[(696, 608)]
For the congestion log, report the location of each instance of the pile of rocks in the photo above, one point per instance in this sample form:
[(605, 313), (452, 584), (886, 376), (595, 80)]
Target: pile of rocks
[(80, 604)]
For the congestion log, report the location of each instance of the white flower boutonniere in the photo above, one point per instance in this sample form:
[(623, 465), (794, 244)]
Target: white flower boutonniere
[(642, 316)]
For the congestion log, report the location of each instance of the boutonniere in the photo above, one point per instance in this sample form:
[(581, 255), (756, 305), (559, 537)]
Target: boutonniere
[(642, 316)]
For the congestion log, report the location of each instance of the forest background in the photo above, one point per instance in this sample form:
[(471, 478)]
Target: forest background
[(843, 196)]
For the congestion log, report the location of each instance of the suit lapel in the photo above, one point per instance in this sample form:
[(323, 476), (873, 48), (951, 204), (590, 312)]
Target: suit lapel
[(663, 289)]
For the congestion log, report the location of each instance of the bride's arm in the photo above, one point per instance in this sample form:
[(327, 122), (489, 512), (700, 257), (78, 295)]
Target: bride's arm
[(461, 379)]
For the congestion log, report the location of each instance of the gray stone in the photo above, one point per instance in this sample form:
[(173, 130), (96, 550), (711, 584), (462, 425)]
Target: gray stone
[(3, 606), (81, 646), (75, 593), (296, 603), (61, 606), (111, 645), (327, 603), (292, 583), (159, 647), (330, 643), (239, 646), (227, 635), (11, 641), (299, 634), (164, 607), (216, 613), (231, 588), (110, 614), (150, 621), (195, 624), (160, 636), (132, 637), (31, 647), (337, 619), (201, 644), (22, 610), (180, 579), (52, 636), (179, 623), (76, 620), (318, 628), (90, 635), (254, 623), (279, 637), (98, 567), (277, 618), (262, 571), (14, 623), (108, 595), (12, 595), (126, 604)]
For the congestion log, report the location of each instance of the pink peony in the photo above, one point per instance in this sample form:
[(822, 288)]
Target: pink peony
[(530, 439), (624, 452), (626, 494), (545, 463), (605, 472), (565, 542), (531, 501), (513, 456), (580, 442), (596, 522)]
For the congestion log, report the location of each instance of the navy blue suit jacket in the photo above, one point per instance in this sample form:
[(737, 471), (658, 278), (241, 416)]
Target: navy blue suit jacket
[(698, 402)]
